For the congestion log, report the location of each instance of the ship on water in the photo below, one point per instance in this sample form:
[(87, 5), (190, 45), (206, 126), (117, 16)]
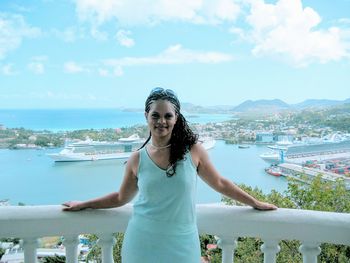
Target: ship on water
[(90, 150), (328, 158), (299, 152)]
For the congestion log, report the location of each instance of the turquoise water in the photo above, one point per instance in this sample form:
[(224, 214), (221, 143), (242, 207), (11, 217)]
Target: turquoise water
[(75, 119), (31, 177)]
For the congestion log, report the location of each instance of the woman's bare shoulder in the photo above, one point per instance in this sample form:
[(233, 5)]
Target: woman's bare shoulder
[(197, 152), (133, 162), (197, 148), (135, 156)]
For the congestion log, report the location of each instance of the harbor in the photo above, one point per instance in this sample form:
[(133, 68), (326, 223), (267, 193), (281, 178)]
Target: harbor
[(28, 175), (330, 160), (89, 150)]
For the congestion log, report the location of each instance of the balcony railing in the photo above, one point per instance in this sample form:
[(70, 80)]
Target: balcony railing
[(227, 222)]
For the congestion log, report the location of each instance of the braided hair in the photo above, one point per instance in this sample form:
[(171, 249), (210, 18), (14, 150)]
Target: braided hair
[(182, 137)]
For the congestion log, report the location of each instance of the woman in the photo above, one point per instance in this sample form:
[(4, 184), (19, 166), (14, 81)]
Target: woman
[(164, 172)]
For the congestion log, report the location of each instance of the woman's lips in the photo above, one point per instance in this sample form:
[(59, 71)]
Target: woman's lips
[(161, 127)]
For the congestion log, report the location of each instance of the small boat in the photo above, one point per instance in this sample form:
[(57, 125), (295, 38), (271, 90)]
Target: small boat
[(207, 142), (274, 170), (243, 146), (271, 157)]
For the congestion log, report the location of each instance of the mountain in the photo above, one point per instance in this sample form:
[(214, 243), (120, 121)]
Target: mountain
[(192, 108), (261, 106), (314, 103), (258, 106)]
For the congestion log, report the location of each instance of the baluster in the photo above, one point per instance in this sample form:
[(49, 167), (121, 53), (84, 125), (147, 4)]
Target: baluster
[(270, 248), (71, 244), (30, 245), (310, 251), (227, 245), (107, 241)]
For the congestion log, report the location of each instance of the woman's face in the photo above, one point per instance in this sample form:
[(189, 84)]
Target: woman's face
[(161, 118)]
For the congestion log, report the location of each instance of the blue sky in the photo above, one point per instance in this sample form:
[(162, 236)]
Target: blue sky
[(105, 53)]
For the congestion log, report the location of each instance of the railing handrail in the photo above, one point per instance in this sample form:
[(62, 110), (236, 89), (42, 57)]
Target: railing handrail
[(218, 219)]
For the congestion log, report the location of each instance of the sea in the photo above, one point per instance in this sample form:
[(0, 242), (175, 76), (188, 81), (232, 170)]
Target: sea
[(29, 176)]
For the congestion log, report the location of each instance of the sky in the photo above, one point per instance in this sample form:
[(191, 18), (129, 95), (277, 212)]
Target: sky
[(108, 54)]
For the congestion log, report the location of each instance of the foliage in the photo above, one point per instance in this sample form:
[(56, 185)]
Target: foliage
[(95, 253), (53, 259), (117, 249), (10, 240), (319, 195), (42, 141), (2, 252), (337, 118)]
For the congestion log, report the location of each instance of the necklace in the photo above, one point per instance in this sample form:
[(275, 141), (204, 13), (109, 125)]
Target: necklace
[(159, 147)]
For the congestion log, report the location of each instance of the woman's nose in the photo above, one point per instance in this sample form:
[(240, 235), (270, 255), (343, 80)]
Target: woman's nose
[(161, 120)]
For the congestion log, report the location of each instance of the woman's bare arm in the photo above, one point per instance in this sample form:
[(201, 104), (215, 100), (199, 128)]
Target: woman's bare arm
[(127, 191), (211, 176)]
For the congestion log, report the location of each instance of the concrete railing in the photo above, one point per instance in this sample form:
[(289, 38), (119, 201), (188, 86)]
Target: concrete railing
[(227, 222)]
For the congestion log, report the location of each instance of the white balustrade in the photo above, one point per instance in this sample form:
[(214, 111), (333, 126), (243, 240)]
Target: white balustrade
[(270, 248), (310, 251), (71, 244), (107, 241), (227, 222), (30, 245), (228, 245)]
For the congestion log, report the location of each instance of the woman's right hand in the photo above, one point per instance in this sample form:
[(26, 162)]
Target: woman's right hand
[(73, 206)]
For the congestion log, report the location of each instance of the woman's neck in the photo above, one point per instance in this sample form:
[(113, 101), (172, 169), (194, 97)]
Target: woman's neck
[(159, 144)]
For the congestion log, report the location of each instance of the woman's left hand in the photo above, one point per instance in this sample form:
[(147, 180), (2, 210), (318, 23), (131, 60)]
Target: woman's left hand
[(264, 206)]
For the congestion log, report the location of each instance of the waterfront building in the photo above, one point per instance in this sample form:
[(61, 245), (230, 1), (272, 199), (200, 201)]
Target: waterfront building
[(264, 137)]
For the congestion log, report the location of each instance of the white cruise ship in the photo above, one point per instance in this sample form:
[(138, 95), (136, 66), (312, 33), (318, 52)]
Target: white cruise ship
[(300, 153), (90, 150)]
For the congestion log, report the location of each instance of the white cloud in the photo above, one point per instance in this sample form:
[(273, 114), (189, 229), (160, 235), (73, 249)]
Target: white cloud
[(61, 96), (13, 29), (154, 11), (344, 20), (73, 68), (118, 71), (36, 67), (70, 34), (103, 72), (98, 34), (124, 39), (8, 70), (288, 30), (173, 55)]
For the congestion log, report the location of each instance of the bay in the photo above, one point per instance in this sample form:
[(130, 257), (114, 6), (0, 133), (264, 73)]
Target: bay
[(76, 119), (31, 177)]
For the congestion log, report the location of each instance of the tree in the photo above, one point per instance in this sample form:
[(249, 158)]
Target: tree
[(53, 259), (319, 195), (2, 252)]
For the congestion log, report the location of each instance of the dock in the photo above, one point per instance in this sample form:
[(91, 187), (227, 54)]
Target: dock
[(296, 171)]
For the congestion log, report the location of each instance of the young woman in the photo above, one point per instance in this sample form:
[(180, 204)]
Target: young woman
[(164, 172)]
